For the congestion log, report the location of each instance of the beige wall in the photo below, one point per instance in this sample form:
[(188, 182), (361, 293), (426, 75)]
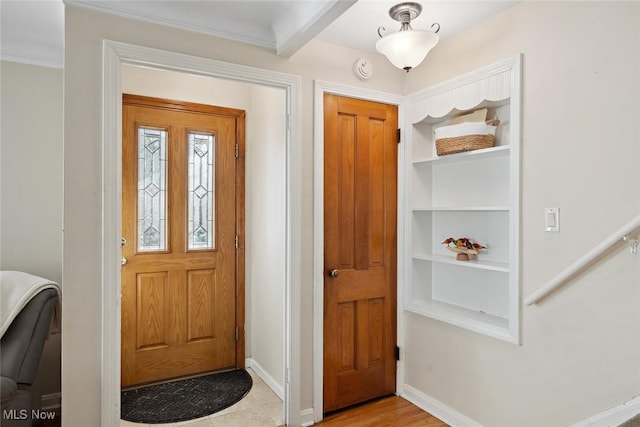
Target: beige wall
[(266, 230), (580, 350), (85, 31), (185, 87), (31, 186)]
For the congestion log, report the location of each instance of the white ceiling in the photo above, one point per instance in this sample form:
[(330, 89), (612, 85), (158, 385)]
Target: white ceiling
[(358, 27), (33, 31)]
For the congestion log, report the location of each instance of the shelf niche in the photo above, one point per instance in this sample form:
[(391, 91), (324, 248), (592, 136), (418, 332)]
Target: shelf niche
[(474, 194)]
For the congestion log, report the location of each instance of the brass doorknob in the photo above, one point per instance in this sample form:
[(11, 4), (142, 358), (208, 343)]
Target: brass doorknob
[(334, 273)]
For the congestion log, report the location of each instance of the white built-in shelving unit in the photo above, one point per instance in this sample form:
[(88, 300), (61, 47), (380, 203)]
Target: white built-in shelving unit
[(475, 194)]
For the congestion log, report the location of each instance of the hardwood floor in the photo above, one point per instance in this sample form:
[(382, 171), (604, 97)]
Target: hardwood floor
[(386, 412)]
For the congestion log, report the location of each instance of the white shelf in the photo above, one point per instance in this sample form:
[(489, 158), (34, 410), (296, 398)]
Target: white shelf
[(475, 194), (484, 153), (502, 267), (477, 321), (462, 209)]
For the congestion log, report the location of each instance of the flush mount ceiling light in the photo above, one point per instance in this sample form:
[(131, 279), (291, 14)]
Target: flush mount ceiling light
[(408, 47)]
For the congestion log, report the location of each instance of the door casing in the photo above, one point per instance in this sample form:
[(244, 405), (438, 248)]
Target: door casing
[(320, 88), (115, 54)]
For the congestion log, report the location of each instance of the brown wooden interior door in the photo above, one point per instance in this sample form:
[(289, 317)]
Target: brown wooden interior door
[(179, 224), (360, 215)]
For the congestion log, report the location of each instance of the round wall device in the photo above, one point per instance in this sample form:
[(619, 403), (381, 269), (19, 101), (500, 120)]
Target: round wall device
[(363, 69)]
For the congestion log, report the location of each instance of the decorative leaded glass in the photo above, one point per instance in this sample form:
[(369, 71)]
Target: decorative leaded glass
[(201, 195), (152, 189)]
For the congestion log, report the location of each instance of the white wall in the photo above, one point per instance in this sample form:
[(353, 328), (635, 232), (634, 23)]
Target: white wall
[(266, 231), (185, 87), (580, 350), (85, 32), (264, 197), (31, 186)]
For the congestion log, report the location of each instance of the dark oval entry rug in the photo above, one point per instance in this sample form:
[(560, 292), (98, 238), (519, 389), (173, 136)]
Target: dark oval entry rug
[(185, 400)]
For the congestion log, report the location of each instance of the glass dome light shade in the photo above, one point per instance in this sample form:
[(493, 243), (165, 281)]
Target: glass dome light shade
[(407, 49)]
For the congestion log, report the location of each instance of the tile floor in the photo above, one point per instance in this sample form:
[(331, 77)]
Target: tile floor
[(260, 408)]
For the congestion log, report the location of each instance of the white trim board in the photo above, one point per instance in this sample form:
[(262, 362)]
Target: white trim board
[(51, 401), (264, 376), (306, 417), (320, 88), (115, 54), (32, 60), (614, 416), (610, 418), (437, 409)]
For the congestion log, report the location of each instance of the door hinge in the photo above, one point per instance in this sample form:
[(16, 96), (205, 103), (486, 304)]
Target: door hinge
[(237, 334), (237, 241), (399, 135), (397, 353), (237, 152)]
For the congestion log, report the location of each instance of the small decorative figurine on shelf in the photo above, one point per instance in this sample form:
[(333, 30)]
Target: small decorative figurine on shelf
[(463, 247)]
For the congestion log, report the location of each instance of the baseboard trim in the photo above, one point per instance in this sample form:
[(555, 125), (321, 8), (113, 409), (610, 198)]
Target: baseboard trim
[(268, 379), (306, 417), (613, 416), (51, 401), (437, 408)]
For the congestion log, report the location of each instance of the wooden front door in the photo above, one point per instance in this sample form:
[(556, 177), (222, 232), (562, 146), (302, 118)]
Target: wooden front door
[(360, 216), (182, 199)]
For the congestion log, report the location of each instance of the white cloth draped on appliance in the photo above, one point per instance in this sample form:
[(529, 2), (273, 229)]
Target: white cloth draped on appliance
[(16, 290)]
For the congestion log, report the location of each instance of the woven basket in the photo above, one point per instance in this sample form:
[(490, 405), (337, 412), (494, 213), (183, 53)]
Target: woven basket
[(465, 137), (459, 144)]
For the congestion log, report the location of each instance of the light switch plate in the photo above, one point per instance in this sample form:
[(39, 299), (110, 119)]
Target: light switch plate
[(552, 219)]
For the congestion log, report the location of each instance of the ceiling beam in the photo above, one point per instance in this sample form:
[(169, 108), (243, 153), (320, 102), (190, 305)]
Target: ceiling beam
[(301, 34)]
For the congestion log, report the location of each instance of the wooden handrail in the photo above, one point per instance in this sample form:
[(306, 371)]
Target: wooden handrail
[(582, 262)]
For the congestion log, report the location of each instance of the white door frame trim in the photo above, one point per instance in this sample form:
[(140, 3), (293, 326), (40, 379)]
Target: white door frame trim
[(114, 55), (320, 88)]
